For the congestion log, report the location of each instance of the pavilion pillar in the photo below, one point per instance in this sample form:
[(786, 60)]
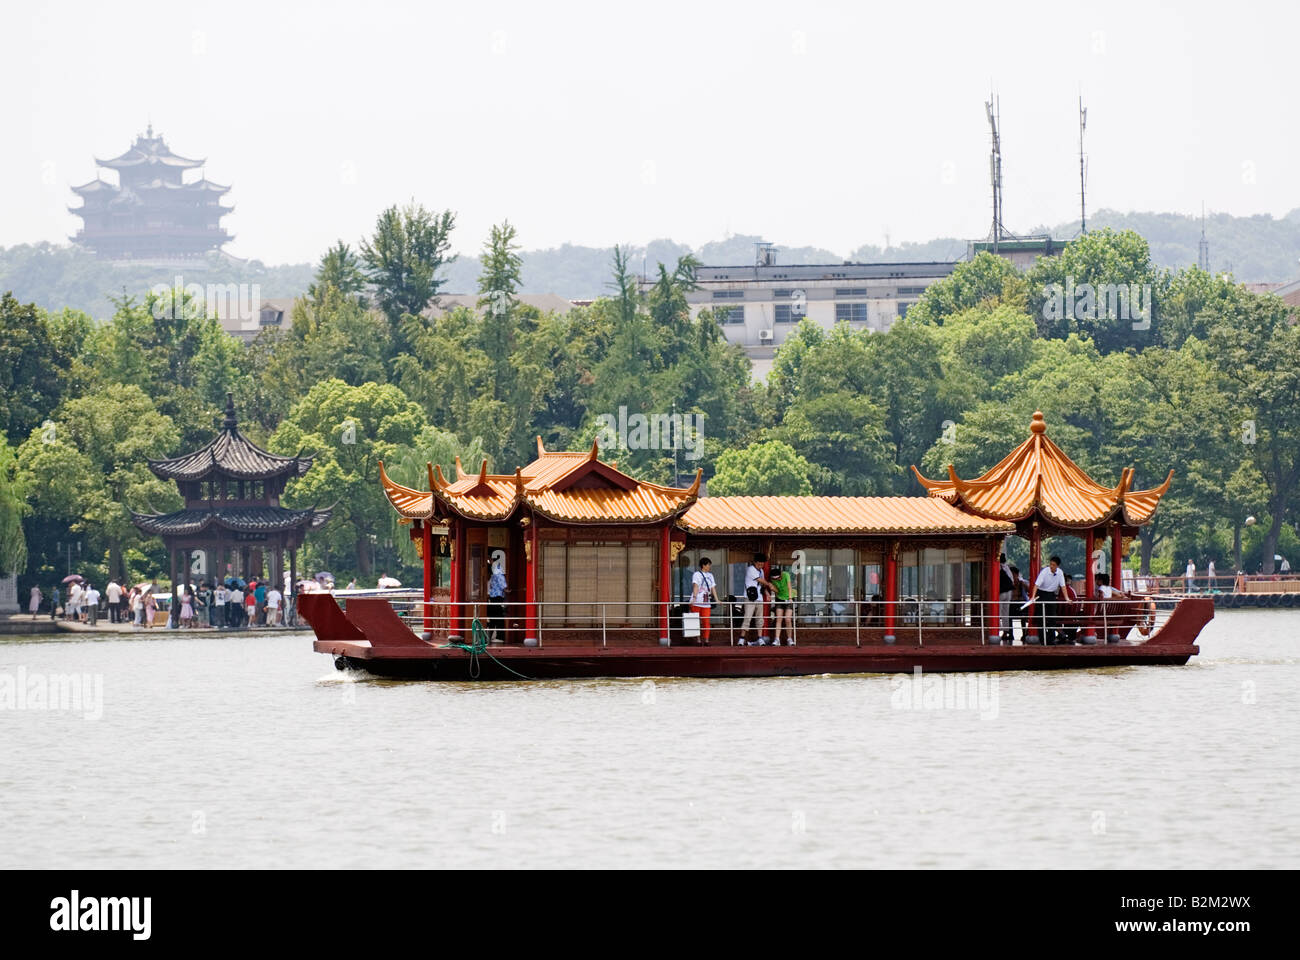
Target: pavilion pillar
[(531, 562), (665, 581), (1090, 588), (1116, 558), (457, 577), (891, 589), (426, 554), (293, 580), (992, 607), (188, 559), (1035, 561), (768, 628)]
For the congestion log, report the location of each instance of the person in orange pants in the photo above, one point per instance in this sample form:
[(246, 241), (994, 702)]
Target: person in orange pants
[(704, 593)]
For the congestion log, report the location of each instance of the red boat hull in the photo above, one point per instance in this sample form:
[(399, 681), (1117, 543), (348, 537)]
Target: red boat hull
[(371, 637)]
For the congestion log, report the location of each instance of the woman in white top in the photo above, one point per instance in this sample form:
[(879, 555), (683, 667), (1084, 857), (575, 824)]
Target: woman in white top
[(704, 591)]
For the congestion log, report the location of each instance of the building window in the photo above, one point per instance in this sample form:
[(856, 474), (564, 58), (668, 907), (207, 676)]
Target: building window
[(902, 309), (782, 294), (728, 294), (784, 313), (853, 312), (850, 291), (586, 584), (730, 314), (910, 291)]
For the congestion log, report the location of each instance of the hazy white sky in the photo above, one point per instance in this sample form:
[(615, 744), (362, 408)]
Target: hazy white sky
[(595, 123)]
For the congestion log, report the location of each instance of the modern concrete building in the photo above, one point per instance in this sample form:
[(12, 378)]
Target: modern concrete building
[(1022, 253), (759, 305)]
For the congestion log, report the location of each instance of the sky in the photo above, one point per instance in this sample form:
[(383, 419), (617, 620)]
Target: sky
[(820, 124)]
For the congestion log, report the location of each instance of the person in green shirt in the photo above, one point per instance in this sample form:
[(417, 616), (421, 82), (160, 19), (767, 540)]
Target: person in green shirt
[(781, 604)]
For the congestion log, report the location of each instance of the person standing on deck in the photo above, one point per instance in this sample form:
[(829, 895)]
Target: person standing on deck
[(114, 594), (496, 609), (273, 598), (1049, 586), (1005, 583), (781, 606), (754, 585), (91, 599), (1209, 576), (704, 593), (1191, 576)]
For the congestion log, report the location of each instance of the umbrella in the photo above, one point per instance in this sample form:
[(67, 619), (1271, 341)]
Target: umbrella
[(389, 582), (146, 586), (76, 577), (324, 575)]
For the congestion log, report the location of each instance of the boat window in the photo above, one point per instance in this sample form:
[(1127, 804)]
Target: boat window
[(587, 583)]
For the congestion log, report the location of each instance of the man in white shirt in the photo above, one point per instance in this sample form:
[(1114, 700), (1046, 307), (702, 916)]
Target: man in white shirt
[(91, 600), (272, 607), (1209, 575), (74, 601), (113, 592), (755, 584), (1048, 588), (220, 597), (1191, 576)]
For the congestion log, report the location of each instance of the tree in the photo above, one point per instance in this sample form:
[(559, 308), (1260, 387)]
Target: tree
[(340, 269), (91, 469), (349, 430), (983, 279), (409, 246), (1102, 286), (13, 507), (1256, 350), (32, 365), (768, 469)]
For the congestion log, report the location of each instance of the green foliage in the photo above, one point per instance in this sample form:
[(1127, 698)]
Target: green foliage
[(972, 283), (402, 258), (13, 507), (771, 469)]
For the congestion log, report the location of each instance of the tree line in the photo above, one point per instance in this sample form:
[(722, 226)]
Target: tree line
[(1198, 375)]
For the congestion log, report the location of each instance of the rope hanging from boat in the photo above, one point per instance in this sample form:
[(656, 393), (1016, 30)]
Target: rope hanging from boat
[(480, 646)]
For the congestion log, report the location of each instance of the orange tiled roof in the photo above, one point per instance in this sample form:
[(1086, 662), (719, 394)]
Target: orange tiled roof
[(555, 485), (1037, 477), (860, 515)]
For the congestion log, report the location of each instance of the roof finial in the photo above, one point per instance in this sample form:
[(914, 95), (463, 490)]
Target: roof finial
[(1038, 424), (230, 422)]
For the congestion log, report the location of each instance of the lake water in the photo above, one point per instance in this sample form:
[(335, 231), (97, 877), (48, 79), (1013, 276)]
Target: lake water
[(253, 751)]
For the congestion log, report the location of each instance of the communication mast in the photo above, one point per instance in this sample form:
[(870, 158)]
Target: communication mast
[(993, 109), (1083, 200)]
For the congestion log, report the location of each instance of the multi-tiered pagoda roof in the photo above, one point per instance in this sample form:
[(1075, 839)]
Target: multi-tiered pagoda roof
[(233, 484), (152, 212)]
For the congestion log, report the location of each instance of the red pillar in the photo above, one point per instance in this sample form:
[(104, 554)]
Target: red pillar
[(991, 607), (426, 548), (665, 581), (457, 576), (1116, 558), (533, 561), (1035, 561), (1090, 587), (891, 588)]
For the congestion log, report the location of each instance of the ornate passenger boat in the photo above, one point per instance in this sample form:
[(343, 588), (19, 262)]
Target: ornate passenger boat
[(597, 566)]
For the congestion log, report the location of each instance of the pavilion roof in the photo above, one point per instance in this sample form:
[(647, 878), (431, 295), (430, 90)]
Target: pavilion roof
[(563, 486), (254, 519), (1037, 479), (831, 515), (149, 150), (230, 454)]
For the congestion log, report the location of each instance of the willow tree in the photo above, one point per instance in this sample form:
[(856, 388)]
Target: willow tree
[(13, 506)]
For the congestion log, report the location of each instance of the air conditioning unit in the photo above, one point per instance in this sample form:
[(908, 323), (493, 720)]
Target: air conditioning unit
[(765, 336)]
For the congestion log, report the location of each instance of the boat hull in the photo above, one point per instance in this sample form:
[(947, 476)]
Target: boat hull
[(374, 640)]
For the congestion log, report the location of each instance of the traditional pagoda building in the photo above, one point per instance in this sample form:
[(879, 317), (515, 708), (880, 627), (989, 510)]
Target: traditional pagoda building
[(232, 523), (1046, 494), (152, 213)]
